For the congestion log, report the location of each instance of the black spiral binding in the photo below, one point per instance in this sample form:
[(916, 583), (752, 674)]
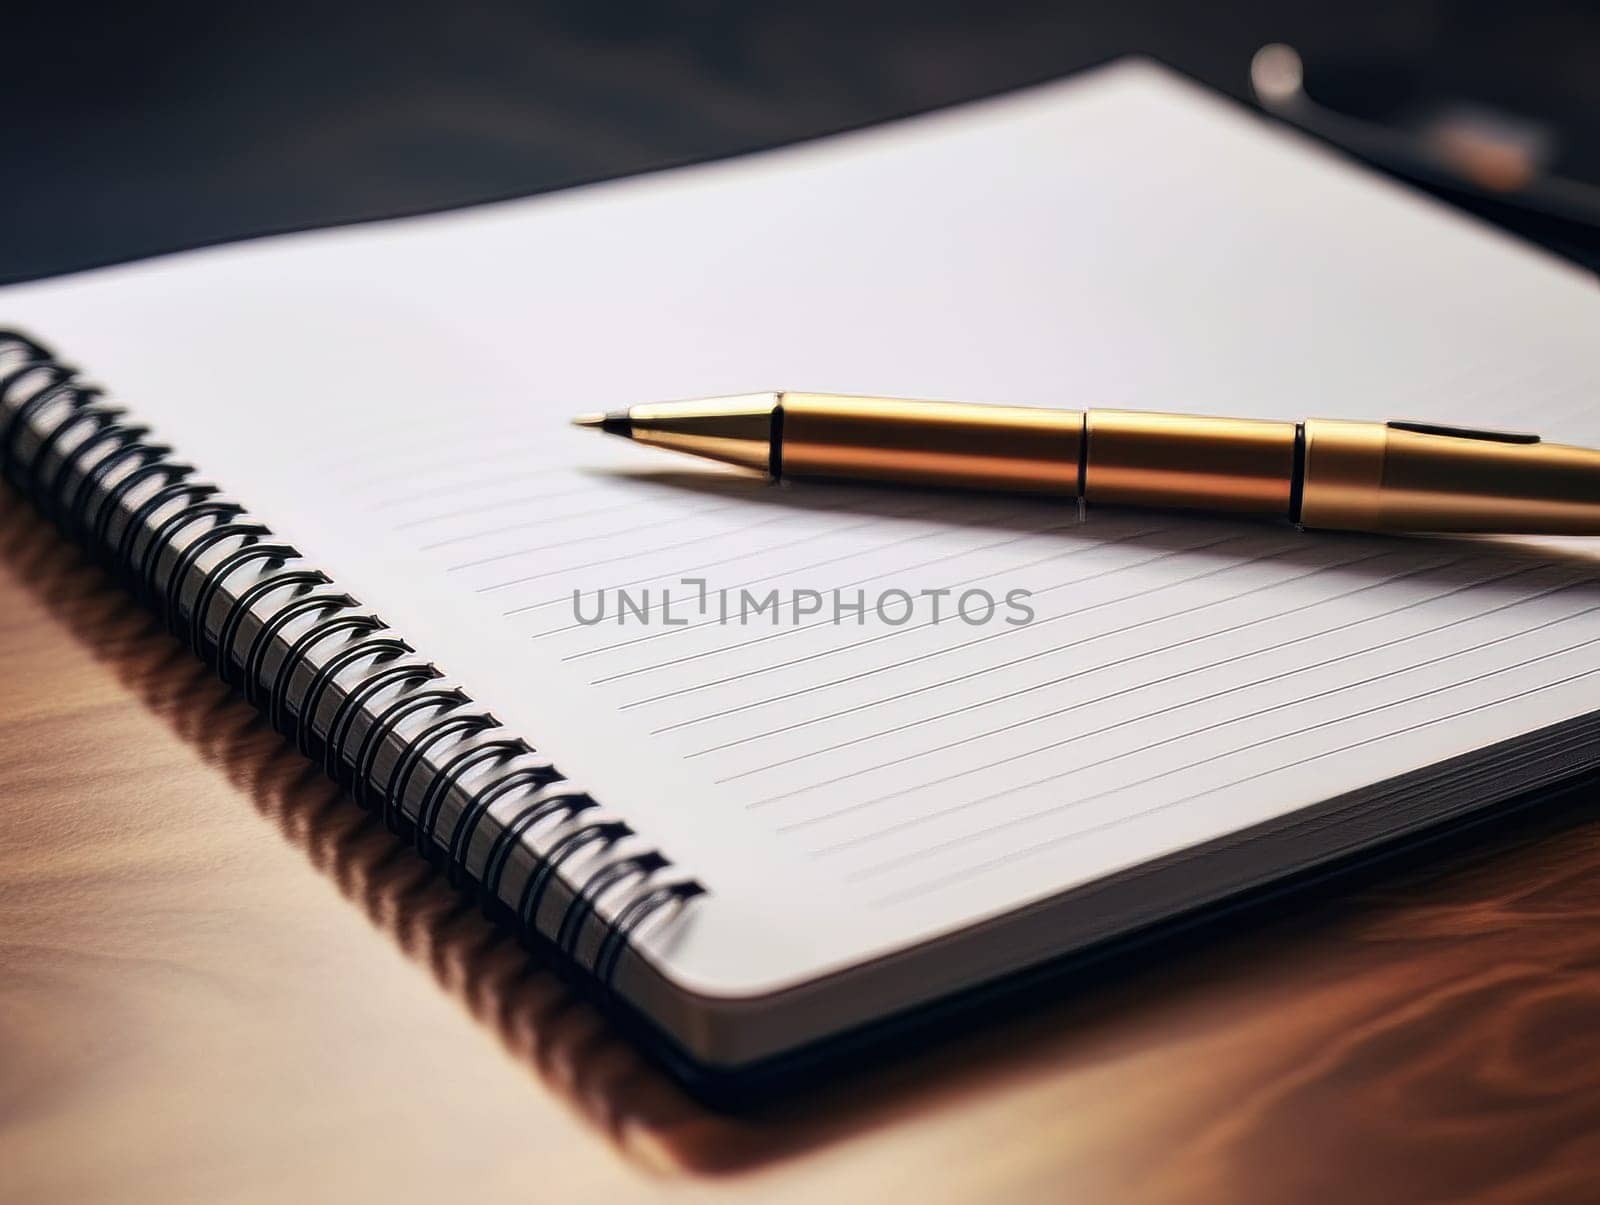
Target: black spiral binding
[(205, 565)]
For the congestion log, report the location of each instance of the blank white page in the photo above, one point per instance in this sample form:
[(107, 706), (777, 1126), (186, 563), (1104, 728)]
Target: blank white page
[(394, 399)]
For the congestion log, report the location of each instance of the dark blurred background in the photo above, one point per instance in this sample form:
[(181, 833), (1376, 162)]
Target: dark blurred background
[(139, 129)]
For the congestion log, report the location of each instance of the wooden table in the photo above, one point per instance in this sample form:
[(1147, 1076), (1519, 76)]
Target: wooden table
[(220, 982)]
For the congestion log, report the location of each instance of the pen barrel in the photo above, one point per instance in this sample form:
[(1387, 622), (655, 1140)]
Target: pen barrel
[(942, 444), (1194, 462), (1388, 477)]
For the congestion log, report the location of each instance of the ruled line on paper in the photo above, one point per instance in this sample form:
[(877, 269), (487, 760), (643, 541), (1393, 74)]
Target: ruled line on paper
[(746, 555), (453, 449), (860, 581), (529, 524), (632, 554), (1084, 800), (700, 539), (589, 536), (914, 538), (1032, 656), (921, 657), (452, 489), (885, 636), (1093, 669), (1156, 714), (498, 504), (975, 869), (655, 577)]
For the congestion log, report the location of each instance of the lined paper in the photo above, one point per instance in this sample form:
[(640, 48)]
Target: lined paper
[(850, 788), (1170, 658)]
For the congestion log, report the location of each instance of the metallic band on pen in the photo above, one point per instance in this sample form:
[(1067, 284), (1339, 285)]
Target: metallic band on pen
[(1342, 486)]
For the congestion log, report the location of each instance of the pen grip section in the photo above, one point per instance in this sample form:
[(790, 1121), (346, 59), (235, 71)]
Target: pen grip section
[(1194, 462), (948, 444)]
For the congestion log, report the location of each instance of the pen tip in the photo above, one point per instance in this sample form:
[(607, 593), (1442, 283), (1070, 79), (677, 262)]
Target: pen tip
[(616, 422)]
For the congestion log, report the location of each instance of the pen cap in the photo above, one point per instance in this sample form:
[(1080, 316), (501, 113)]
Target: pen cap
[(1419, 477)]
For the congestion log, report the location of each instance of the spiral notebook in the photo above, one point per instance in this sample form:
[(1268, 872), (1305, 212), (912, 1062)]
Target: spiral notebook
[(758, 838)]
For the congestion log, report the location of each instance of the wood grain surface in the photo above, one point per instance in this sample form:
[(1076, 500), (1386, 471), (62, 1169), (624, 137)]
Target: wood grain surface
[(219, 981)]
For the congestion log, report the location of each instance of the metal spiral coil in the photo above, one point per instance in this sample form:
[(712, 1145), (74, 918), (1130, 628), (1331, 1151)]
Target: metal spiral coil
[(282, 633)]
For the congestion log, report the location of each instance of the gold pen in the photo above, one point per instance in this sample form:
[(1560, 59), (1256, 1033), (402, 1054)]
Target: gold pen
[(1323, 473)]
